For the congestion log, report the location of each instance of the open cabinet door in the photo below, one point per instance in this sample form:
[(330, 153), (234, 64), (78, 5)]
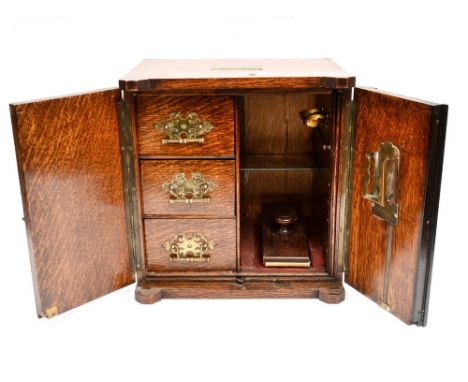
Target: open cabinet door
[(70, 171), (398, 154)]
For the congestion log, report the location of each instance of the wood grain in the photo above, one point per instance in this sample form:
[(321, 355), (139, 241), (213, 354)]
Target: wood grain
[(221, 231), (240, 74), (219, 111), (407, 124), (70, 172), (156, 201)]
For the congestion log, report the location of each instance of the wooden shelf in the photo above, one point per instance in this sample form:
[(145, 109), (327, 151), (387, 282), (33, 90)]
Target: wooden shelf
[(251, 252), (278, 162)]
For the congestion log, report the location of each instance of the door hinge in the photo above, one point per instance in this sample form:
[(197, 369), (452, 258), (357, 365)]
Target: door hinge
[(345, 192), (129, 183)]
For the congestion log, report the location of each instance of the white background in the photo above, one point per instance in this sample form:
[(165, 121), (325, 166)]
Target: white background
[(55, 47)]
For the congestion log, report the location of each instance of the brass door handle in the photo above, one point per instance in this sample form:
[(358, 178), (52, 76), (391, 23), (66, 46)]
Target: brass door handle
[(183, 129), (189, 247), (380, 180), (193, 190)]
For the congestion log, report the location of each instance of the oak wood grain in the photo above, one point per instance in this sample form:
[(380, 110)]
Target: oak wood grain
[(156, 201), (71, 179), (221, 231), (219, 111), (407, 124)]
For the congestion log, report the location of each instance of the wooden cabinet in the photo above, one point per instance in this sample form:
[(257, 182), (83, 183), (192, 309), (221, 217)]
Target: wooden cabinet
[(232, 178)]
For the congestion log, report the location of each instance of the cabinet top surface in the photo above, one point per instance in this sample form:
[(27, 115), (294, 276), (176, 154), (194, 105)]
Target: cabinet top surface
[(215, 74)]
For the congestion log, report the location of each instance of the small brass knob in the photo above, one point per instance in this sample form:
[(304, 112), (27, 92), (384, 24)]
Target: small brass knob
[(312, 117)]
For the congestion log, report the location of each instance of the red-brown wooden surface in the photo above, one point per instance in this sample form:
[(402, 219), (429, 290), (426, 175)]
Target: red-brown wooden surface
[(70, 172), (409, 125)]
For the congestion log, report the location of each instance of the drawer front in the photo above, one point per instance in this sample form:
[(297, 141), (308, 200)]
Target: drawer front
[(190, 244), (163, 132), (188, 187)]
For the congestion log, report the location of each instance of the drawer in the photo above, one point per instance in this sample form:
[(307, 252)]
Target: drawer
[(188, 187), (163, 132), (190, 244)]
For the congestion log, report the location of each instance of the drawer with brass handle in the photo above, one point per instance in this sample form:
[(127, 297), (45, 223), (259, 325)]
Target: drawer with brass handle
[(185, 126), (190, 244), (188, 187)]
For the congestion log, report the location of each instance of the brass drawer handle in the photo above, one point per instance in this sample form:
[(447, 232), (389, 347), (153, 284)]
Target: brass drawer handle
[(381, 174), (189, 247), (180, 129), (193, 190)]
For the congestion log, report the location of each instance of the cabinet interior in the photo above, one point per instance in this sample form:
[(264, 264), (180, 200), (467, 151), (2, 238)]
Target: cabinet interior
[(278, 161), (282, 161)]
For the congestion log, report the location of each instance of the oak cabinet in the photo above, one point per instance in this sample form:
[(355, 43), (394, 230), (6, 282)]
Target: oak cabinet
[(232, 178)]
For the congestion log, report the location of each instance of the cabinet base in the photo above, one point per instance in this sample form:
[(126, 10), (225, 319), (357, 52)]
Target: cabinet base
[(329, 291), (147, 295)]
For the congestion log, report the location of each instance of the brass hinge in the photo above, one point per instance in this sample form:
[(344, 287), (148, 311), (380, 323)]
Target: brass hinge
[(129, 183), (345, 192)]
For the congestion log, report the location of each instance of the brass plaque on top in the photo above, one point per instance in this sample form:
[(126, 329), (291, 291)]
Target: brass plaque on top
[(189, 247), (183, 129), (193, 190)]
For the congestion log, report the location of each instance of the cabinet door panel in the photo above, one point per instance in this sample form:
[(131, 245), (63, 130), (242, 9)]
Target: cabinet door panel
[(69, 166), (398, 154)]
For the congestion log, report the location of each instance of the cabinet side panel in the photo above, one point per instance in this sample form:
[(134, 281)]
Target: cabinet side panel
[(69, 165)]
